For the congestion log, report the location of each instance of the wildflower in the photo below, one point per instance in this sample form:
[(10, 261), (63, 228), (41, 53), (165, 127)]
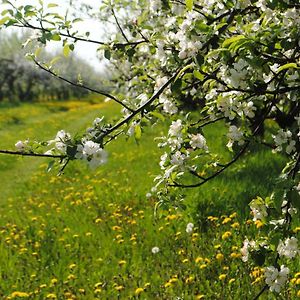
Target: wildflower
[(235, 225), (19, 294), (220, 257), (275, 278), (138, 291), (155, 250), (222, 277), (122, 262), (198, 259), (226, 220), (231, 280), (189, 280), (226, 235)]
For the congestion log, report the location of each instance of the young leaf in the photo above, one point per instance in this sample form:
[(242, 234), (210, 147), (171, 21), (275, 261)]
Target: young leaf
[(288, 66), (137, 133), (189, 4), (66, 50)]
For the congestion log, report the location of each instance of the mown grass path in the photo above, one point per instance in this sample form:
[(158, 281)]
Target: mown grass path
[(41, 122)]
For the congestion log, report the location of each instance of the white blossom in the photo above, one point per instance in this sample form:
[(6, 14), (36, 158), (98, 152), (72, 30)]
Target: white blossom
[(155, 250), (235, 135), (245, 249), (21, 146), (175, 128), (288, 248), (275, 278), (198, 141), (259, 210), (189, 227)]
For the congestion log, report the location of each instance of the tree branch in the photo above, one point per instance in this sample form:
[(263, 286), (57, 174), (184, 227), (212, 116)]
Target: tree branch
[(31, 154), (81, 86)]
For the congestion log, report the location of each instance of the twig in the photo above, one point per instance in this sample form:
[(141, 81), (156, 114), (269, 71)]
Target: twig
[(31, 154)]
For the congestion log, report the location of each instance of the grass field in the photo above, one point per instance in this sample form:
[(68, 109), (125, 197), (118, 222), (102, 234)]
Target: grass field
[(90, 234)]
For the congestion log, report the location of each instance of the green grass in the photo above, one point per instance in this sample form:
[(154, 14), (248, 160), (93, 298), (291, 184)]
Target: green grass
[(89, 234)]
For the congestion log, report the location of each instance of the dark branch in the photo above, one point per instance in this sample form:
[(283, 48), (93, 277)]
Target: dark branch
[(81, 85), (31, 154)]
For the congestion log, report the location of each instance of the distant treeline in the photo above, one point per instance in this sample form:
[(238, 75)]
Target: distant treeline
[(21, 80)]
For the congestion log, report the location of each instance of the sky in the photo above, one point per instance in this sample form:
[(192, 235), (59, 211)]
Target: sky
[(87, 51)]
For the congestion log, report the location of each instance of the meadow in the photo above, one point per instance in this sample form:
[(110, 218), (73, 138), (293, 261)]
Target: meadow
[(94, 234)]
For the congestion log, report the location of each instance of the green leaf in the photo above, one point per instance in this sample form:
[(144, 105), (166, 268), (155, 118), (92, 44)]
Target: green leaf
[(158, 115), (38, 51), (55, 60), (288, 66), (52, 5), (198, 75), (50, 165), (66, 50), (137, 133), (231, 40), (107, 54), (189, 4), (55, 37), (4, 20)]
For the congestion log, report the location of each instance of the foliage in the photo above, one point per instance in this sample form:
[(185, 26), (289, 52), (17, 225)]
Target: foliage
[(198, 63)]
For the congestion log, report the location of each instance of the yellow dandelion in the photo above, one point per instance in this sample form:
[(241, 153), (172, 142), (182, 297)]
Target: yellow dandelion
[(71, 277), (119, 287), (220, 257), (297, 229), (259, 223), (51, 296), (231, 280), (235, 255), (168, 284), (173, 280), (218, 246), (19, 294), (54, 281), (97, 291), (298, 294), (222, 277), (226, 220), (122, 262), (72, 266), (189, 280), (138, 291), (203, 266), (198, 259), (198, 297), (233, 215), (226, 235), (147, 284), (235, 225), (98, 220), (185, 260), (98, 284)]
